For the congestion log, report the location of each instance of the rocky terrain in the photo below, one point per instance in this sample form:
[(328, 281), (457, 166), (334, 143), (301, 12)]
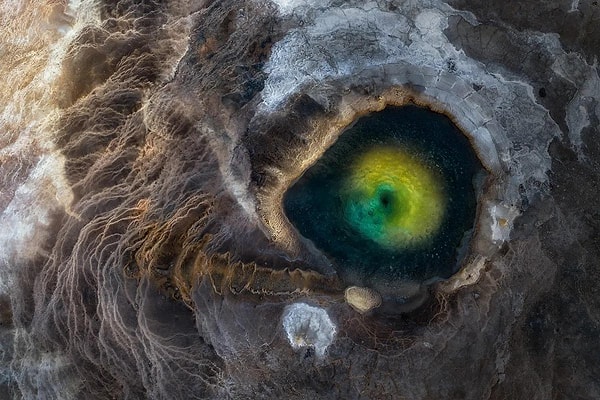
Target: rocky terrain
[(145, 151)]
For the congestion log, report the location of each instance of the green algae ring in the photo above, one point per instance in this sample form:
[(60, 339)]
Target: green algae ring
[(393, 198)]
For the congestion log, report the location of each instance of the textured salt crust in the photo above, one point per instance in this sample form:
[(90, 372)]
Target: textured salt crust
[(287, 7), (502, 221), (417, 53), (308, 326), (28, 212)]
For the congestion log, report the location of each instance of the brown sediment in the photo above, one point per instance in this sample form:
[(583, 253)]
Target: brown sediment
[(178, 267), (179, 253), (178, 261), (249, 280), (140, 165)]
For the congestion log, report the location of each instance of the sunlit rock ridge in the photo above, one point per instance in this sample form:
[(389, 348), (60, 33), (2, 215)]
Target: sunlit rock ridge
[(145, 151)]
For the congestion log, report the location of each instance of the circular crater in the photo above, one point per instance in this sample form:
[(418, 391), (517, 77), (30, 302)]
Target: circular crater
[(393, 199)]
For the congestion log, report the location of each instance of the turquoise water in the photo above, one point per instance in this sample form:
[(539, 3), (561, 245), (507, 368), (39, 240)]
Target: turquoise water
[(392, 198)]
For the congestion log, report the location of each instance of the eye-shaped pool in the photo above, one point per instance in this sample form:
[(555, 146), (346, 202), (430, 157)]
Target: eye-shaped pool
[(394, 198)]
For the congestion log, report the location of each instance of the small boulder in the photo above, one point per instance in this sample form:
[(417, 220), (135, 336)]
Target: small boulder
[(362, 299)]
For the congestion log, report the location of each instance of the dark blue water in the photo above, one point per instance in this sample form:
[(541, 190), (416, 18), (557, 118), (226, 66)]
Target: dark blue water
[(314, 207)]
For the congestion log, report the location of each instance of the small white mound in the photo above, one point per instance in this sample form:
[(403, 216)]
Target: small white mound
[(308, 326)]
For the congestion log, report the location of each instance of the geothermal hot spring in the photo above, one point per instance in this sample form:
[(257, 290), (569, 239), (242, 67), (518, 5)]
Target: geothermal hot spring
[(299, 199), (393, 198)]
